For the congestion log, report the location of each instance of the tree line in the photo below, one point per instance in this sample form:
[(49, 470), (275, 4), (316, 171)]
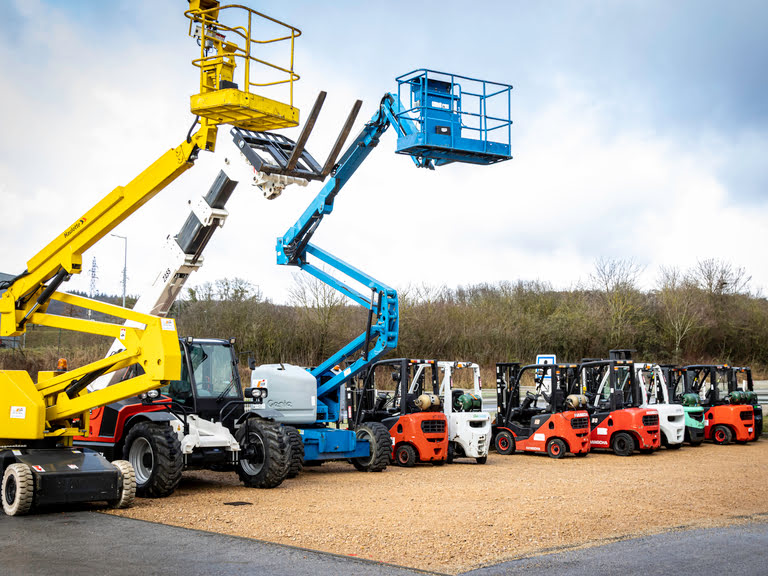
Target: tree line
[(704, 314)]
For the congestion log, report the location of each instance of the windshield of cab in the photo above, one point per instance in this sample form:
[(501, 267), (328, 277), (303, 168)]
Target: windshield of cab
[(213, 369)]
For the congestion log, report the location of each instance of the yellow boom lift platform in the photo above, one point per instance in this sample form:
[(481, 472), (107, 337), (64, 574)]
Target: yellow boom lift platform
[(38, 419)]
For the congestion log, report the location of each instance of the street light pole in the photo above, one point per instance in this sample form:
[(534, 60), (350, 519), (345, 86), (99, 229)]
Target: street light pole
[(125, 263)]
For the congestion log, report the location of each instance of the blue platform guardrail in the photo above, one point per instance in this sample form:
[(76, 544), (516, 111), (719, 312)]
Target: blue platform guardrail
[(456, 118)]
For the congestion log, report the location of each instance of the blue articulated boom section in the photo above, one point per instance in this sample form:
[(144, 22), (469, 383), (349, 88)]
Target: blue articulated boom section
[(448, 119)]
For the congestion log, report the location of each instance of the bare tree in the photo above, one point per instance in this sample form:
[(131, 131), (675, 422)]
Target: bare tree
[(718, 277), (319, 303), (677, 300), (616, 279)]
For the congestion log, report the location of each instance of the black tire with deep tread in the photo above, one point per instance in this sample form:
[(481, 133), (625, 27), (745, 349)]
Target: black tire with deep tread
[(405, 456), (270, 442), (296, 447), (168, 461), (381, 447), (623, 444)]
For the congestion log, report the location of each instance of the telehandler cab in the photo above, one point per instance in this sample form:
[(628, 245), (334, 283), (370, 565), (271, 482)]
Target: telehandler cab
[(617, 421), (555, 422), (413, 414), (727, 415)]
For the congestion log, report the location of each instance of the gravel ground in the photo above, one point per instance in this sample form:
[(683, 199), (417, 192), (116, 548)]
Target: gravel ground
[(463, 516)]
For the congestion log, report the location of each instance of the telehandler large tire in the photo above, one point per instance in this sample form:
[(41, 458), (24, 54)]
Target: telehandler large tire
[(18, 489), (381, 447), (154, 451), (127, 485), (296, 459), (264, 453)]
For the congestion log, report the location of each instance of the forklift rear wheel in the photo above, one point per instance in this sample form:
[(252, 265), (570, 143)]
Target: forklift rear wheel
[(556, 448), (504, 443), (623, 444), (264, 454), (378, 437), (722, 434), (127, 485), (451, 454), (674, 446), (154, 451), (18, 489), (296, 460), (405, 455)]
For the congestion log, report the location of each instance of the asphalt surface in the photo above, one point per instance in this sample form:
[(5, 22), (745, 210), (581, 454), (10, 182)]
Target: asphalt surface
[(79, 542)]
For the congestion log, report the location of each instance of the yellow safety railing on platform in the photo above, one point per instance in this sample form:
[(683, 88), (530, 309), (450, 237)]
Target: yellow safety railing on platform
[(205, 26)]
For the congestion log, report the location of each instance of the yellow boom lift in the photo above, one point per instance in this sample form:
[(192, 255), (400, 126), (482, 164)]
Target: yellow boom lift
[(38, 419)]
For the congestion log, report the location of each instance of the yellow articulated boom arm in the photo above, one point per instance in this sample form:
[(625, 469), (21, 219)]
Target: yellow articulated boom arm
[(57, 405)]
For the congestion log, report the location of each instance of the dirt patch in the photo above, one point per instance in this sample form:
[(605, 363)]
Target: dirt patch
[(465, 515)]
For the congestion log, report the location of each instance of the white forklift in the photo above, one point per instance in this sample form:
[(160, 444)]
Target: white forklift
[(655, 394), (469, 426)]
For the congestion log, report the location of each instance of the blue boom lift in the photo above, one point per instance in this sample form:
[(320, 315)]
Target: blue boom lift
[(448, 118)]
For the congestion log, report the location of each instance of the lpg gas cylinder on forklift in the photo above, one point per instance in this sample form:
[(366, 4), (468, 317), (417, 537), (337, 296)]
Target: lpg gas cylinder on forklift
[(727, 415), (618, 423), (552, 420), (412, 414)]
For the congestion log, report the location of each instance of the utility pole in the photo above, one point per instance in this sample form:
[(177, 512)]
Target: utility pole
[(94, 277), (125, 264)]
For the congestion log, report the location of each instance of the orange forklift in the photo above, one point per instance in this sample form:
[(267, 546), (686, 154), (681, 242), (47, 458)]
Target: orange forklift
[(412, 413), (553, 419), (617, 421), (728, 416)]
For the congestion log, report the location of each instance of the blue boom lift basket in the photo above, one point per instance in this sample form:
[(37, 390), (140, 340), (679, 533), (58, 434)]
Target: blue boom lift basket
[(455, 118)]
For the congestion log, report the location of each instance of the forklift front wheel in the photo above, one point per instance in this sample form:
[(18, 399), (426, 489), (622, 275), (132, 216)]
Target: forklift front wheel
[(504, 443), (18, 489), (405, 455), (623, 444), (722, 434), (556, 448)]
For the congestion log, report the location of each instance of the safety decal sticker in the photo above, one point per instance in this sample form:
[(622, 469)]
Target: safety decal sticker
[(602, 431), (122, 333), (38, 468), (538, 437), (19, 412), (168, 324), (73, 467)]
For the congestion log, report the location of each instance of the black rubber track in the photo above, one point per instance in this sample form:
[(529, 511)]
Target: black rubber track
[(275, 441), (381, 447), (296, 460), (168, 460)]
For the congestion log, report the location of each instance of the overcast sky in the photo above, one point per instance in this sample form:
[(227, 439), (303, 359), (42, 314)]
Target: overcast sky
[(640, 131)]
